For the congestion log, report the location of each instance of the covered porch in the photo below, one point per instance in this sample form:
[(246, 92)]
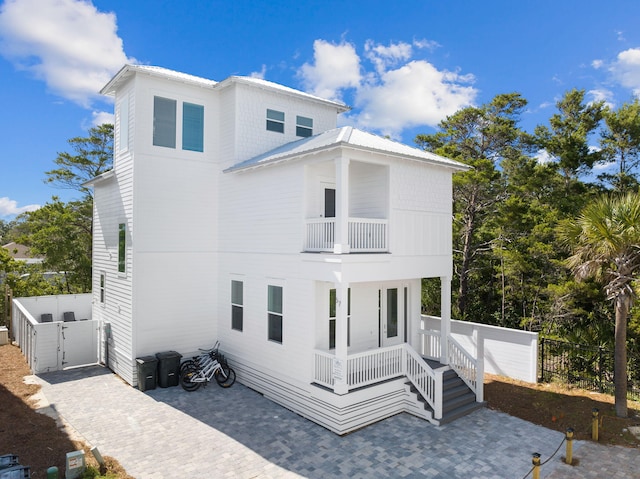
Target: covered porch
[(425, 358)]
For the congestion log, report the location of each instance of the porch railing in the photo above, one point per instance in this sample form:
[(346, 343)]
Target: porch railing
[(466, 366), (364, 235), (375, 366)]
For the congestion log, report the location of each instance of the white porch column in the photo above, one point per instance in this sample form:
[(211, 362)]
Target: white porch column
[(445, 317), (340, 360), (341, 244)]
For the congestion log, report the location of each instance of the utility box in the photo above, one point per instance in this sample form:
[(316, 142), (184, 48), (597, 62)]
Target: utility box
[(4, 335), (168, 368), (147, 372), (75, 465)]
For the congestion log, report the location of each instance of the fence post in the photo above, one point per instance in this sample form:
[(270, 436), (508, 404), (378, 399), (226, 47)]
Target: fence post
[(542, 360), (600, 368)]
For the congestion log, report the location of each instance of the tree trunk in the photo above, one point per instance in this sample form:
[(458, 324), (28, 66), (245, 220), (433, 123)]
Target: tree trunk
[(622, 304)]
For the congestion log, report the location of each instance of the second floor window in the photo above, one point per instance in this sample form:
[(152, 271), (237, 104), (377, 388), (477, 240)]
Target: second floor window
[(164, 122), (275, 121), (192, 127), (122, 247), (304, 126)]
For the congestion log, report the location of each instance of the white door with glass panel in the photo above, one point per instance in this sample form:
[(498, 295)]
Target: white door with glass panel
[(392, 317)]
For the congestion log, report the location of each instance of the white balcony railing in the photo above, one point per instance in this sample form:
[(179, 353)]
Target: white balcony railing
[(364, 235), (379, 365)]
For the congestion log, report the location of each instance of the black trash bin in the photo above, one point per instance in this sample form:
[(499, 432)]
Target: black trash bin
[(147, 372), (168, 368)]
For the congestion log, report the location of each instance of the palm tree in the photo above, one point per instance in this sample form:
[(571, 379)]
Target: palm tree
[(605, 242)]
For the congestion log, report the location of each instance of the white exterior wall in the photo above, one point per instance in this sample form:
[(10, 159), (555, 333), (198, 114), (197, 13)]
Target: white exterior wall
[(251, 135), (507, 352), (175, 214)]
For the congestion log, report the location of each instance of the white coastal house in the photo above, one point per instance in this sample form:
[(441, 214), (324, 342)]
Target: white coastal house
[(237, 211)]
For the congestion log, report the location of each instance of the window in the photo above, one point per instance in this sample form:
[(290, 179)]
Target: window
[(392, 313), (102, 286), (123, 144), (164, 122), (122, 247), (332, 318), (192, 127), (274, 312), (275, 121), (236, 305), (304, 126)]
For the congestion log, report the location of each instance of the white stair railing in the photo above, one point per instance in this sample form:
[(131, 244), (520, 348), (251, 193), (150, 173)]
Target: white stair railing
[(466, 366), (427, 381)]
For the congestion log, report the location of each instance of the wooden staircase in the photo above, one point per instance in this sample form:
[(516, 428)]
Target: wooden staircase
[(458, 399)]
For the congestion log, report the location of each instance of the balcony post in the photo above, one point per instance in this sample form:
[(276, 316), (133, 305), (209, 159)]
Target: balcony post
[(445, 318), (341, 243), (340, 385)]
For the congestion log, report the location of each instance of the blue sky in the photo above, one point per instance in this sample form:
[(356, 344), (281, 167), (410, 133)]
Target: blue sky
[(403, 66)]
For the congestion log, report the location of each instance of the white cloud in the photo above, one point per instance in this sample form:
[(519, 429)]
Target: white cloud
[(597, 64), (395, 93), (100, 117), (9, 207), (602, 94), (69, 44), (384, 57), (415, 94), (336, 67), (259, 74), (543, 157), (626, 69)]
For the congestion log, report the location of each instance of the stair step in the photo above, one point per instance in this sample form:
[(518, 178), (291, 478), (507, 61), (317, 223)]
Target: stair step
[(460, 412), (458, 402)]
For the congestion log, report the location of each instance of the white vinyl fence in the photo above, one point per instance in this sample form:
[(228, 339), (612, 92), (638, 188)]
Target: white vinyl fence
[(507, 352), (56, 344)]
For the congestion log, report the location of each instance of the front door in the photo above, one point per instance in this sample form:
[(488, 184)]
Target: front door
[(392, 321)]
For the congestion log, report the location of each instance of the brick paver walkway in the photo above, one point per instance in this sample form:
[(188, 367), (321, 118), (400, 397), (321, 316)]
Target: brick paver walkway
[(236, 433)]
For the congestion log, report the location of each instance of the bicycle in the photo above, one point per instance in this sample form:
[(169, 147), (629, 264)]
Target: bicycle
[(201, 369)]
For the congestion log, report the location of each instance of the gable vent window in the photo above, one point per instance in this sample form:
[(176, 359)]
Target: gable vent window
[(164, 122), (304, 126), (275, 121)]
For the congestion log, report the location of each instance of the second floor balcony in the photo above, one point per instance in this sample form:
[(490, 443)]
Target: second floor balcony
[(363, 235)]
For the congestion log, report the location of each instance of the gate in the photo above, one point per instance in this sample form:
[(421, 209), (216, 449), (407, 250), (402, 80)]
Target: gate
[(55, 345)]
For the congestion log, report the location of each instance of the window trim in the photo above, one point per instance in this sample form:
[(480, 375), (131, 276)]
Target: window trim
[(122, 248), (275, 120), (274, 314), (192, 127), (304, 126), (102, 288), (237, 306), (165, 128)]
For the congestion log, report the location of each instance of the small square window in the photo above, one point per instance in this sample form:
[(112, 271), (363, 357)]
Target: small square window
[(304, 126), (275, 121)]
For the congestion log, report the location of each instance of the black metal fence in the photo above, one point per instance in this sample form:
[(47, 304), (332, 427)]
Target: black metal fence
[(586, 367)]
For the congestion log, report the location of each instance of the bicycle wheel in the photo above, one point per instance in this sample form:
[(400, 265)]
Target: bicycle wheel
[(187, 363), (186, 376), (225, 377)]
